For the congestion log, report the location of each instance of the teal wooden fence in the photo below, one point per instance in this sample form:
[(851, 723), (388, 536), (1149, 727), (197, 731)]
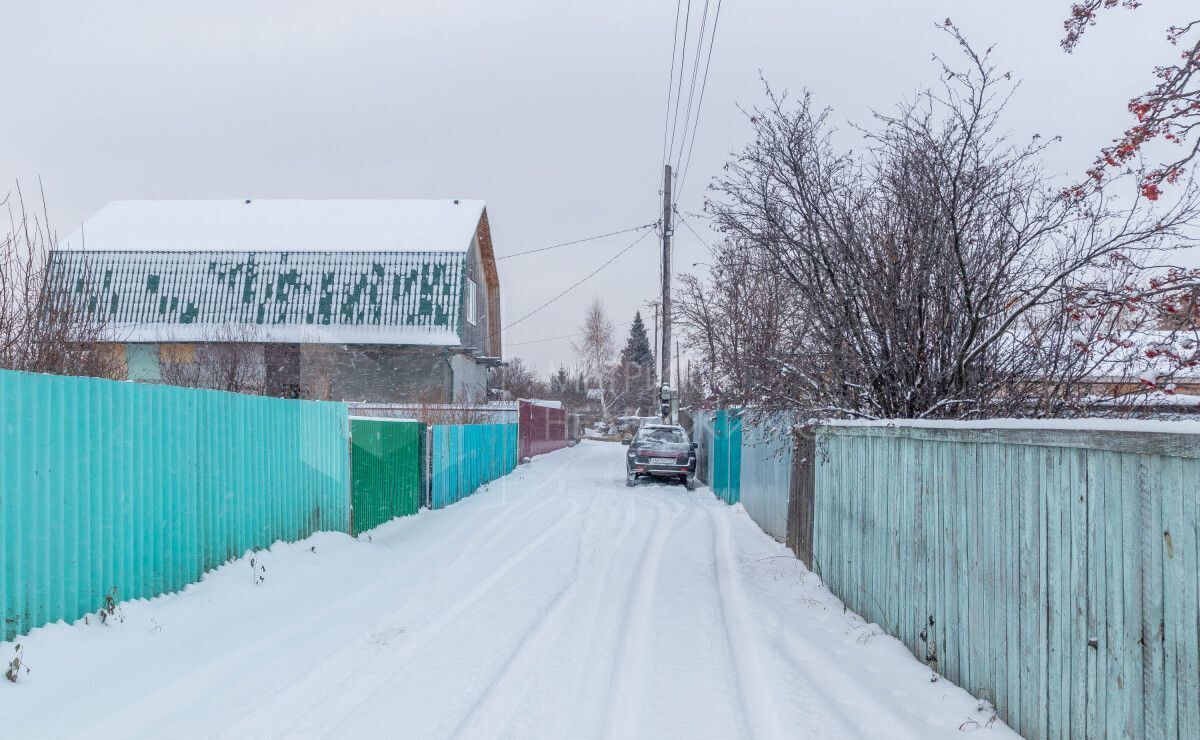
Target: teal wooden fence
[(465, 456), (1054, 573), (133, 490), (765, 470)]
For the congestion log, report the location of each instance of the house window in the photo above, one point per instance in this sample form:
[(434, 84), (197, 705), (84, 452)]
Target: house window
[(471, 301)]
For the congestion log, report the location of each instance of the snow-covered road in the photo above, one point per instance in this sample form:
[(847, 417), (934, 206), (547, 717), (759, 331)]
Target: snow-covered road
[(556, 604)]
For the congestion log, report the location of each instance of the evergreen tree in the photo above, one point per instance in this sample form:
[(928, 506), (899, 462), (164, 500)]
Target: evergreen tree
[(637, 369), (637, 348)]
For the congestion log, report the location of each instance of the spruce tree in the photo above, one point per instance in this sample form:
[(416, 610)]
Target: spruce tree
[(637, 349), (637, 368)]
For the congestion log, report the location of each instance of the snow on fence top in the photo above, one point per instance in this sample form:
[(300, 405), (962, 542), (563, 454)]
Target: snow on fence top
[(1088, 424), (543, 403), (280, 226)]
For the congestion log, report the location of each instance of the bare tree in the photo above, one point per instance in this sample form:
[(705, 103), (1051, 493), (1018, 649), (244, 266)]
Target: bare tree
[(229, 358), (743, 322), (517, 380), (41, 328), (933, 273), (597, 349)]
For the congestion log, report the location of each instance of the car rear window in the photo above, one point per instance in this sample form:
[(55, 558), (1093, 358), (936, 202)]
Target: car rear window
[(674, 436)]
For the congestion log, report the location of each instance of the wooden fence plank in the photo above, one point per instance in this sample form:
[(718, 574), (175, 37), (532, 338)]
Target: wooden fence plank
[(1059, 568)]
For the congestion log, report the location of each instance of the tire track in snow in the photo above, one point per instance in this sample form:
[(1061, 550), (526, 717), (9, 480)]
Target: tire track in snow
[(494, 711), (827, 681), (361, 678), (753, 682), (342, 658), (143, 712), (629, 669)]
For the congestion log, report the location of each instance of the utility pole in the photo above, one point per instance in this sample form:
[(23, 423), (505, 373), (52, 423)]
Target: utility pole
[(679, 381), (657, 349), (665, 392), (653, 381)]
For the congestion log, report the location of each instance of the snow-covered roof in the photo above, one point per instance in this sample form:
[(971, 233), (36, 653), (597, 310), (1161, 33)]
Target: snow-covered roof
[(1150, 355), (280, 226)]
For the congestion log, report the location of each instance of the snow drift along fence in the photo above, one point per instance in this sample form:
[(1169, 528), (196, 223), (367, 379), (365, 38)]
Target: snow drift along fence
[(387, 471), (1052, 572), (542, 428), (465, 456), (123, 490)]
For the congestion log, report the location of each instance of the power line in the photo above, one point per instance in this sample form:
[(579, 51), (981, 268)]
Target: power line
[(564, 336), (671, 79), (585, 278), (692, 87), (682, 65), (700, 104), (577, 241), (694, 232)]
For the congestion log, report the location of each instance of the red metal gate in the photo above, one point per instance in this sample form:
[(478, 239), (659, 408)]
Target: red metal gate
[(543, 428)]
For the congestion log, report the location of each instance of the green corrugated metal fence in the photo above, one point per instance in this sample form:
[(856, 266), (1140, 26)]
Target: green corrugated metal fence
[(139, 489), (1054, 573), (386, 469), (465, 456)]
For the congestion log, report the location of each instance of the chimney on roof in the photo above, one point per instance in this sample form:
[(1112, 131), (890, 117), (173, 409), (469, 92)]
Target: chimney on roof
[(247, 201), (455, 201)]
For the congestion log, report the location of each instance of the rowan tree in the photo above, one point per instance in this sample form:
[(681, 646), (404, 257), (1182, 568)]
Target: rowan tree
[(1169, 112)]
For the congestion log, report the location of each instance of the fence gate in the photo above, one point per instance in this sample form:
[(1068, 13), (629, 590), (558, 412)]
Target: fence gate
[(542, 428)]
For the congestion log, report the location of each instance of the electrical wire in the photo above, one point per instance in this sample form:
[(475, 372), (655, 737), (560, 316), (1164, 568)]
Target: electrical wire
[(585, 278), (694, 232), (703, 86), (564, 336), (577, 241), (682, 66), (671, 79), (692, 86), (700, 104)]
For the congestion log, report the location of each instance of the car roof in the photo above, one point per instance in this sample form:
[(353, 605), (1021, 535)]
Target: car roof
[(663, 426)]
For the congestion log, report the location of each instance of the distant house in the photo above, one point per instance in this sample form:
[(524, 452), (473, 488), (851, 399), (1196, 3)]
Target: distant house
[(363, 300)]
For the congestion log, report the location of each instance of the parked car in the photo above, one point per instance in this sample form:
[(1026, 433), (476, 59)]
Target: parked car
[(663, 451)]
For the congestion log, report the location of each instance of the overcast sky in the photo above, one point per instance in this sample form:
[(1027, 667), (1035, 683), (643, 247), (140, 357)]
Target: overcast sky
[(552, 112)]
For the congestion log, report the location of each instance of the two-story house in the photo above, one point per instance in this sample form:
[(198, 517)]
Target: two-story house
[(375, 300)]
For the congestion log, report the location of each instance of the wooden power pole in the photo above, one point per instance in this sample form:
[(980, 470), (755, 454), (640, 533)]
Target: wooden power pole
[(665, 356)]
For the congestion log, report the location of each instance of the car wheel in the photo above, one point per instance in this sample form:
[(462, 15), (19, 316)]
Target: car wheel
[(689, 482), (631, 479)]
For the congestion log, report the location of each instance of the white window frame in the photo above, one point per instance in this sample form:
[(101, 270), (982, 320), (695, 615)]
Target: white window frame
[(471, 299)]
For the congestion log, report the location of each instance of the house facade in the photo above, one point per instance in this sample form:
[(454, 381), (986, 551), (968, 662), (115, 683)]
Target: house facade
[(353, 300)]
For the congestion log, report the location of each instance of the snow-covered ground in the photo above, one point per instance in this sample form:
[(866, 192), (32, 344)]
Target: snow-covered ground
[(556, 604)]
